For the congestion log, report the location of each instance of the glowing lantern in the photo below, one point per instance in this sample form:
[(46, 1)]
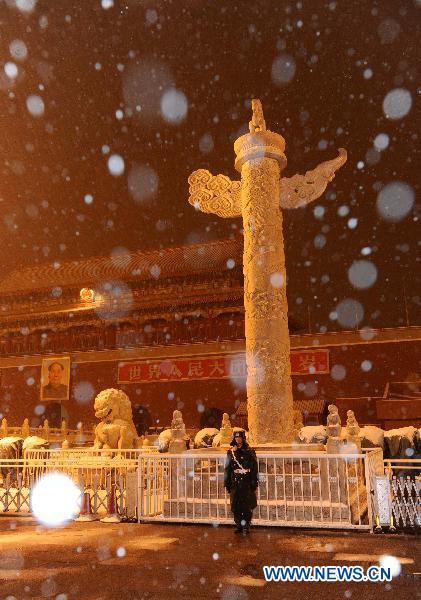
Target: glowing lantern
[(87, 295)]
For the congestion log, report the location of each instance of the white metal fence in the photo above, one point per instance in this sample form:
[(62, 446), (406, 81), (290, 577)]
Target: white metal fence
[(98, 473), (405, 491), (296, 489), (312, 489)]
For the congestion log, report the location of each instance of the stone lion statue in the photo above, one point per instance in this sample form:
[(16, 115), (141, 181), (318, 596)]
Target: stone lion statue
[(116, 430)]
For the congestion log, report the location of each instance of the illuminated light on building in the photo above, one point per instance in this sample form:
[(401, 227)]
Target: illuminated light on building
[(87, 295)]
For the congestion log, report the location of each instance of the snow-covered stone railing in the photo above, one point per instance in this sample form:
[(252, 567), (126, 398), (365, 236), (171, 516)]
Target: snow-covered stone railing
[(404, 442), (51, 435)]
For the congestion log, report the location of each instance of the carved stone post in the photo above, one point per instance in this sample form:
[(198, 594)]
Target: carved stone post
[(25, 431), (259, 198), (226, 430), (46, 430), (178, 433)]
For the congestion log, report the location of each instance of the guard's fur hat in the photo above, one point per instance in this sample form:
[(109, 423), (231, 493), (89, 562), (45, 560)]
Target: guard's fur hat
[(243, 435)]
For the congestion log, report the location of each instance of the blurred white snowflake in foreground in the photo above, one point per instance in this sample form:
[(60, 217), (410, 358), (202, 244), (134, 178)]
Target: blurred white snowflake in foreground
[(283, 69), (397, 103), (55, 499), (390, 562), (11, 70), (18, 49), (35, 105), (174, 106), (116, 165), (395, 201), (362, 274), (381, 141), (25, 5)]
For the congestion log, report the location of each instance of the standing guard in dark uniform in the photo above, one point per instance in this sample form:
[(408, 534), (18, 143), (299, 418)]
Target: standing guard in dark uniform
[(241, 480)]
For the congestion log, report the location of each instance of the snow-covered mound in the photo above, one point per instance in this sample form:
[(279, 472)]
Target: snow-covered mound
[(312, 434), (11, 447), (396, 443), (164, 439), (205, 437), (33, 441), (400, 443), (11, 439), (371, 437)]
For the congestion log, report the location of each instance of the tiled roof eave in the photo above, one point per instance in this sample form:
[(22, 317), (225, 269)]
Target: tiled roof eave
[(209, 257)]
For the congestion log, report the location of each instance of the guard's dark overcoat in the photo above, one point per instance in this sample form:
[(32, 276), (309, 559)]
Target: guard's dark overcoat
[(241, 487)]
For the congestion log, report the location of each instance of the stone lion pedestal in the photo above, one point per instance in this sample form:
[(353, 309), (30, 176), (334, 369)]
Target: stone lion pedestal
[(116, 430)]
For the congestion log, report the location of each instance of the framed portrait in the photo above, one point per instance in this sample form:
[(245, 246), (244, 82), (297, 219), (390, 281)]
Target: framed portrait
[(55, 378)]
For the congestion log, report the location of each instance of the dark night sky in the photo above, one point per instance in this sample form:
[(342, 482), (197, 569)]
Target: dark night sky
[(322, 71)]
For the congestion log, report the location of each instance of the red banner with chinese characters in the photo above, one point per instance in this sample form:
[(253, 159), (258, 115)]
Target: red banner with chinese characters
[(303, 362), (309, 362)]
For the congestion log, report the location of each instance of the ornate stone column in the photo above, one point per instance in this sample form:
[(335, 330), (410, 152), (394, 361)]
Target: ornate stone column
[(260, 159), (259, 198)]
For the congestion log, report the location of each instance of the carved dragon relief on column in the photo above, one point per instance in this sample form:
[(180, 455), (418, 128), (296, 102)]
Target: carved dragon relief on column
[(260, 218), (273, 359)]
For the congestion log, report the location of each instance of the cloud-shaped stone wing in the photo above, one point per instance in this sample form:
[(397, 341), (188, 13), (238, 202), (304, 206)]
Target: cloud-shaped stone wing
[(300, 190), (215, 194)]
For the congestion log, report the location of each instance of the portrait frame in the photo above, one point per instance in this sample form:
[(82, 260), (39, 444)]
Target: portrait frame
[(60, 391)]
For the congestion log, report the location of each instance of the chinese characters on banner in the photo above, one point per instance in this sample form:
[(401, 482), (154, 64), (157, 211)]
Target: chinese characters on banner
[(309, 362), (306, 362)]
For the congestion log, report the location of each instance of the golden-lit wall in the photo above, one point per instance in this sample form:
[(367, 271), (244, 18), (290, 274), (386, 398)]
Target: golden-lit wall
[(394, 361)]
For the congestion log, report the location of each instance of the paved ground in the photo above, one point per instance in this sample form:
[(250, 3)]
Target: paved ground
[(98, 561)]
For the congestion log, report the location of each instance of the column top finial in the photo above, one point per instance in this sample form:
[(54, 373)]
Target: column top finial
[(257, 122), (260, 142)]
